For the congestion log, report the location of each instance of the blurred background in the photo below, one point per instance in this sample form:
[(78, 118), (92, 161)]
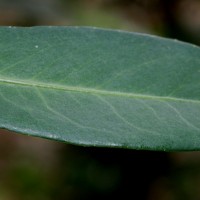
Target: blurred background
[(34, 168)]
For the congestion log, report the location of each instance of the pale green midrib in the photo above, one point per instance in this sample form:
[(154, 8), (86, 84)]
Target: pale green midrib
[(92, 91)]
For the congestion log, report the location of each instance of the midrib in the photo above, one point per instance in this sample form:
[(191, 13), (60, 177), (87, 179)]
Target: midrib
[(91, 91)]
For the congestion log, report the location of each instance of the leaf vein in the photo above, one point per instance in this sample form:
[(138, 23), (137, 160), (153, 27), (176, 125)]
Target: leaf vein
[(114, 110), (181, 117), (52, 86), (65, 117)]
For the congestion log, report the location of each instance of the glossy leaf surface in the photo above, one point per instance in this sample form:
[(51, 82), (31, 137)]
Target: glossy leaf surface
[(99, 87)]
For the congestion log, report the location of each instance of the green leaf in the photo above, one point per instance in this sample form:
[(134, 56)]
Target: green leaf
[(100, 87)]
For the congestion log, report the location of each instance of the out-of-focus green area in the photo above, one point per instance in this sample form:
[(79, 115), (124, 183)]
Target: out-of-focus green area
[(34, 168), (171, 18)]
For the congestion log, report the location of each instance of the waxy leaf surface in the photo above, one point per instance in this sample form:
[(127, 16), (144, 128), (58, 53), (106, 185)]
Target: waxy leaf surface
[(99, 87)]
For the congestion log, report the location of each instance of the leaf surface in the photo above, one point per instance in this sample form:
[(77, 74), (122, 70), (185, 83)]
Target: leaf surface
[(99, 87)]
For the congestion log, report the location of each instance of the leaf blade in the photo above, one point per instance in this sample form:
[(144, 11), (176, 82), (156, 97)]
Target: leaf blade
[(76, 85)]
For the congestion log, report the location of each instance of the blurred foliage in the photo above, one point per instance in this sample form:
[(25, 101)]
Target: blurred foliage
[(33, 168), (172, 18)]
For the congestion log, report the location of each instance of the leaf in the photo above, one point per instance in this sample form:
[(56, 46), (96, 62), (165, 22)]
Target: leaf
[(98, 87)]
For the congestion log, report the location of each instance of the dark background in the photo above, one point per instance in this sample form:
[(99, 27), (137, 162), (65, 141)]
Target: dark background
[(34, 168)]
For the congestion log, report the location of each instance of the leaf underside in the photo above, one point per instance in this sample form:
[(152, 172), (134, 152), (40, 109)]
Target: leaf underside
[(97, 87)]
